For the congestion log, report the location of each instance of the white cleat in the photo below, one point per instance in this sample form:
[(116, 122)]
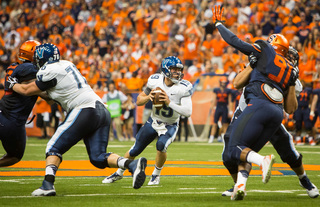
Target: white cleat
[(239, 192), (47, 189), (266, 167), (155, 180), (311, 189), (112, 178)]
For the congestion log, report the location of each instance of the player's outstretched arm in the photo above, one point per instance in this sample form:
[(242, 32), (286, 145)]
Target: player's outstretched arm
[(227, 35), (29, 89)]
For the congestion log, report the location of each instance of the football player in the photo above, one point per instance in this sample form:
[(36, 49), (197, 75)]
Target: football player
[(282, 141), (222, 103), (163, 123), (15, 108), (87, 118), (265, 95), (302, 115)]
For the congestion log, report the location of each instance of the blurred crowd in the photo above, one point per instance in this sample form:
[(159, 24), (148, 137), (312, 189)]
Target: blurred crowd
[(124, 41)]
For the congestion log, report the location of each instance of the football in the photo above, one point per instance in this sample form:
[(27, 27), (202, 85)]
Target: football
[(156, 101)]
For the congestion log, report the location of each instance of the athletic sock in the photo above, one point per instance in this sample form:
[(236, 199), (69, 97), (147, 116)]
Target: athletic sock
[(303, 175), (123, 163), (50, 173), (255, 158), (156, 170)]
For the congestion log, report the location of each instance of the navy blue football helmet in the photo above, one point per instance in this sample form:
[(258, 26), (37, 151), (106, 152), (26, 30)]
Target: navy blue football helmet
[(46, 53), (172, 62)]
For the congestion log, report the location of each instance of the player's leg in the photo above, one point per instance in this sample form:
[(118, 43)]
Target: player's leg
[(225, 122), (297, 116), (13, 141), (308, 124), (217, 115), (239, 190), (79, 123), (143, 138), (283, 143), (162, 145), (252, 130)]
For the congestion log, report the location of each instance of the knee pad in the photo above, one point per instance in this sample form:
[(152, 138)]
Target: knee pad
[(54, 154), (161, 146), (101, 161), (294, 163)]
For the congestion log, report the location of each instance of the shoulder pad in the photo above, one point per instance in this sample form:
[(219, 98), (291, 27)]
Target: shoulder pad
[(153, 80), (186, 86)]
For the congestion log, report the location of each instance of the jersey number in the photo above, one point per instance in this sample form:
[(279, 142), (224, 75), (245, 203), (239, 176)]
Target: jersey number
[(283, 66), (165, 111), (77, 75)]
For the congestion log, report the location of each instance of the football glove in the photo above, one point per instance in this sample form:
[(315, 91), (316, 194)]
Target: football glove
[(295, 76), (293, 56), (217, 15), (253, 61), (11, 82)]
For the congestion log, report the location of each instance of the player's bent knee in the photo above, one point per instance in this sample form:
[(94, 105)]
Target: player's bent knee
[(100, 161), (293, 162), (161, 146)]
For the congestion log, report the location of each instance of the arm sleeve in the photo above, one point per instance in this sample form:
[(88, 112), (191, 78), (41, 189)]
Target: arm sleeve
[(185, 109), (234, 41), (46, 85), (147, 90)]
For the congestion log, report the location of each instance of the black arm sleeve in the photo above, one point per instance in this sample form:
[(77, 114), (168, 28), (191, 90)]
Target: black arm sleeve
[(46, 85), (234, 41), (147, 90)]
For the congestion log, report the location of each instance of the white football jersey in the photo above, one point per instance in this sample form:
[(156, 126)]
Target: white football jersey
[(177, 91), (71, 90)]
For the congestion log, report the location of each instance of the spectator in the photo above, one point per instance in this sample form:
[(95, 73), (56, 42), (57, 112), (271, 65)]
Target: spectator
[(128, 109), (114, 99)]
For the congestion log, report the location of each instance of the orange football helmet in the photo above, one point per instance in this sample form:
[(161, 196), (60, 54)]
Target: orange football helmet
[(27, 49), (279, 43)]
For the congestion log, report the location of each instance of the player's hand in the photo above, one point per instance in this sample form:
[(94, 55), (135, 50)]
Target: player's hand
[(217, 15), (164, 97), (253, 61), (151, 95), (295, 76), (311, 116), (11, 82), (293, 56)]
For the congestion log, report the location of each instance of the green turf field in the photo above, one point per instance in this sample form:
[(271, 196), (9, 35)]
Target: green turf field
[(282, 190)]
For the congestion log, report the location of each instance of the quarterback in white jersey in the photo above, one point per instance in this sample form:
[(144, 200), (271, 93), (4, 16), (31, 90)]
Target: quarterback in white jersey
[(162, 123), (87, 118)]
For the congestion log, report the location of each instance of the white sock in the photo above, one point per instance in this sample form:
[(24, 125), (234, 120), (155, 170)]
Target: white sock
[(156, 170), (211, 137), (120, 171), (301, 176), (241, 179), (51, 170), (255, 158), (121, 162)]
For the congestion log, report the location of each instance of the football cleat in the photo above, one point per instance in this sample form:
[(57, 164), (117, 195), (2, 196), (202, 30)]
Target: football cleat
[(47, 189), (138, 168), (312, 142), (239, 192), (228, 192), (155, 180), (312, 190), (112, 178), (266, 167)]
